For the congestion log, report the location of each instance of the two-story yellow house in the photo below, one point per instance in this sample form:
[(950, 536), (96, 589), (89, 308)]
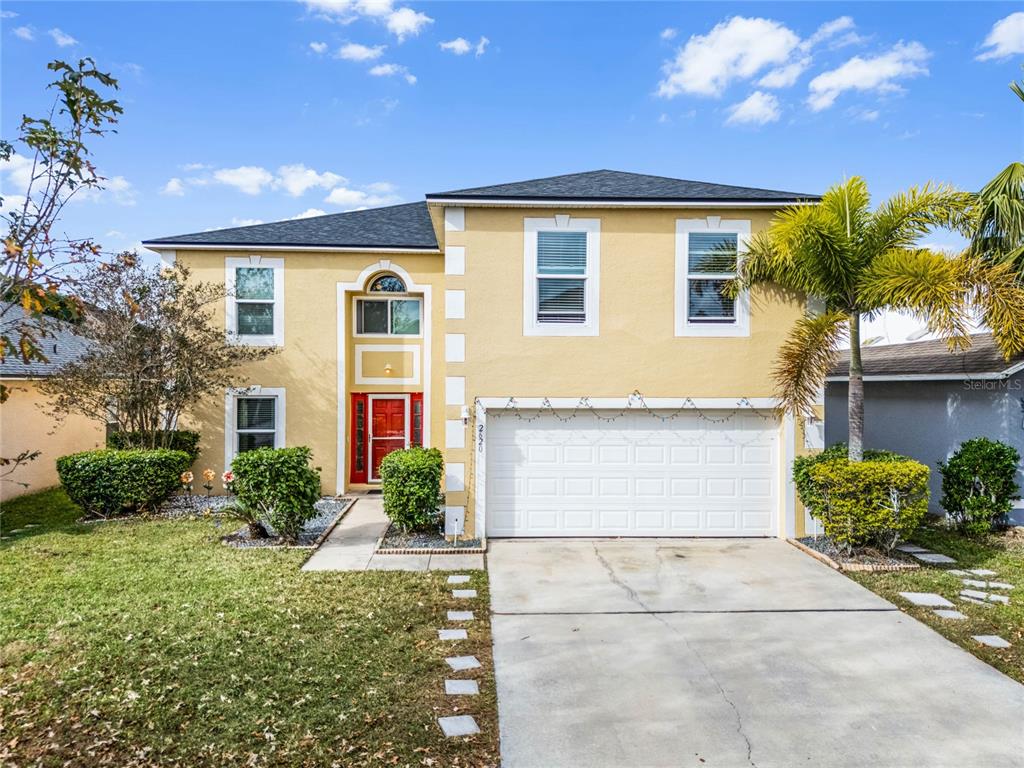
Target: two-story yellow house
[(564, 341)]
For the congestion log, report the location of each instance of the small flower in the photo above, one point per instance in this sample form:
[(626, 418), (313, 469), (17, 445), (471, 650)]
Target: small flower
[(186, 478), (208, 475), (228, 477)]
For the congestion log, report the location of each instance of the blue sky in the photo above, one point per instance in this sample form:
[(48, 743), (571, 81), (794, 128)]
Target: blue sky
[(241, 112)]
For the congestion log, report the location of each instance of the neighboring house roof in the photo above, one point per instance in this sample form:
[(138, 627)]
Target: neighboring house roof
[(61, 345), (931, 360), (622, 187), (403, 227)]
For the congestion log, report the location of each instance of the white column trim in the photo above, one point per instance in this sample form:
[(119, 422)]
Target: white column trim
[(455, 260), (788, 489), (454, 304)]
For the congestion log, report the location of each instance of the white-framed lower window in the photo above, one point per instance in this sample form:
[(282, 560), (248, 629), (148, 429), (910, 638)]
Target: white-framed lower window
[(708, 251), (255, 301), (561, 271), (253, 418)]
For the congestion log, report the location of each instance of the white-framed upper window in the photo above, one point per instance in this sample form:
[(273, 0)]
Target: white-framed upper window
[(708, 251), (399, 316), (253, 418), (255, 301), (561, 268)]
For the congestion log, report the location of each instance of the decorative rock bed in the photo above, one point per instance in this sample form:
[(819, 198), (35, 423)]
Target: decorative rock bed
[(396, 542), (821, 548)]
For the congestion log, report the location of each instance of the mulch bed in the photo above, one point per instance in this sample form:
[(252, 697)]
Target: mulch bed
[(866, 559), (395, 541)]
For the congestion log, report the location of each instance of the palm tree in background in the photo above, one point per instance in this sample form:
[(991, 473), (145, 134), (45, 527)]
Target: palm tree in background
[(860, 263)]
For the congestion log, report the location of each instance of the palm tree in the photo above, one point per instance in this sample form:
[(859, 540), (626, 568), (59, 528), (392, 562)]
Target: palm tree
[(861, 262)]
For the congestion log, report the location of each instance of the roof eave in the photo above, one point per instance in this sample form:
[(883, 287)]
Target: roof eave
[(605, 202), (964, 376), (159, 245)]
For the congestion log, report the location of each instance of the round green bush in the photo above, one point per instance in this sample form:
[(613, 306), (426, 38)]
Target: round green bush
[(979, 484), (802, 465), (176, 440), (279, 486), (411, 484), (108, 482)]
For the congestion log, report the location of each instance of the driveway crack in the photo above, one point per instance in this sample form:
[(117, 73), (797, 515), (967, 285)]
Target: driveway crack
[(633, 597)]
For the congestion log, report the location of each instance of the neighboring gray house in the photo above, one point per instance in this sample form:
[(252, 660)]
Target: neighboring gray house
[(923, 401)]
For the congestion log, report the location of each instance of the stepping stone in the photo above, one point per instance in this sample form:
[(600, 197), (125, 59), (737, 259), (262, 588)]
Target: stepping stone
[(460, 615), (999, 585), (975, 601), (992, 641), (984, 596), (461, 663), (981, 572), (955, 572), (927, 599), (461, 687), (987, 584), (974, 583), (911, 548), (944, 613), (31, 525), (932, 558), (452, 634), (463, 593), (460, 725), (458, 579)]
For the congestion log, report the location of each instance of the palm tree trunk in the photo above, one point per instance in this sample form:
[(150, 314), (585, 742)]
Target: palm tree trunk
[(855, 393)]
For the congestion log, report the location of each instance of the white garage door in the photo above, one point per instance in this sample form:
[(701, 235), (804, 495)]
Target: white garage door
[(635, 476)]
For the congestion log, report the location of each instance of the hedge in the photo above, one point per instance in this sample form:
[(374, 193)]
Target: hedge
[(979, 484), (175, 440), (411, 485), (109, 482), (802, 466), (278, 485)]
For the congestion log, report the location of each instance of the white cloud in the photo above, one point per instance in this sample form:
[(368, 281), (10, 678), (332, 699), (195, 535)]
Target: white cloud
[(310, 213), (194, 167), (827, 31), (358, 52), (8, 15), (481, 45), (116, 189), (17, 172), (405, 22), (757, 109), (25, 33), (664, 119), (381, 187), (783, 77), (318, 47), (865, 115), (249, 179), (459, 46), (736, 49), (669, 33), (1006, 38), (236, 222), (874, 74), (297, 179), (350, 199), (389, 70), (174, 187), (61, 38)]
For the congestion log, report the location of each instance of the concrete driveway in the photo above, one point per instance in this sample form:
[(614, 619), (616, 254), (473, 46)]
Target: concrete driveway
[(669, 652)]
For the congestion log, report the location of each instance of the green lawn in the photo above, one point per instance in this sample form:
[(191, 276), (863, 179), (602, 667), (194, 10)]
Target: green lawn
[(148, 643), (1002, 553)]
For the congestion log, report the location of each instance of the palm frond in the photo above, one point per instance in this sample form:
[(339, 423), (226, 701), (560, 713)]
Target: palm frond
[(925, 283), (764, 262), (999, 233), (816, 243), (998, 294), (848, 203), (805, 358), (905, 217)]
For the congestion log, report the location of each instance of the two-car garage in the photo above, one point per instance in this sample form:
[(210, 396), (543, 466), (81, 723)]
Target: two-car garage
[(585, 472)]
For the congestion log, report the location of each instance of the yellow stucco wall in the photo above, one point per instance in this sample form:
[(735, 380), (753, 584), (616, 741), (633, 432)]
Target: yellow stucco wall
[(25, 425)]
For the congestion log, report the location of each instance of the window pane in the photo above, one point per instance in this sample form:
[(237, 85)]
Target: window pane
[(707, 304), (561, 253), (388, 284), (712, 253), (255, 412), (255, 319), (405, 316), (372, 317), (254, 283), (561, 300), (248, 441)]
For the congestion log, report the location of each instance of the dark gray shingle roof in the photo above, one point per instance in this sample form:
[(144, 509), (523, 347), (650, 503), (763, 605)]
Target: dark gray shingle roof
[(60, 345), (618, 185), (930, 358), (396, 226)]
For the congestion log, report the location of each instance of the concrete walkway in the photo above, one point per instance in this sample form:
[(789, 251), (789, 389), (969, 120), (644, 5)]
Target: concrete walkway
[(351, 546), (676, 652)]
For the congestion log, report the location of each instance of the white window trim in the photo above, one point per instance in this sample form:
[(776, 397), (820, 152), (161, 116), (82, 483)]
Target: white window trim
[(230, 409), (231, 263), (385, 297), (562, 223), (683, 326)]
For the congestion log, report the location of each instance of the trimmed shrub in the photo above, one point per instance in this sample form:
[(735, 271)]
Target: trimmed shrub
[(108, 482), (277, 485), (979, 484), (802, 465), (175, 440), (411, 484), (869, 502)]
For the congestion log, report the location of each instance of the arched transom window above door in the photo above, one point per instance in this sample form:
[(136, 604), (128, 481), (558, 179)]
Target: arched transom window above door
[(387, 284), (377, 314)]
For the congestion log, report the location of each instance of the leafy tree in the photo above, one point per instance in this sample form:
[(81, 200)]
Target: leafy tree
[(862, 262), (155, 350)]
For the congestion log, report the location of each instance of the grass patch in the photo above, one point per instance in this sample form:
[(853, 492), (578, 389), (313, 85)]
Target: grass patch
[(1002, 553), (144, 643)]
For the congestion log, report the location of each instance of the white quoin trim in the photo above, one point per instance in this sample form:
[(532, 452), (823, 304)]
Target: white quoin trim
[(454, 219), (359, 285), (455, 260)]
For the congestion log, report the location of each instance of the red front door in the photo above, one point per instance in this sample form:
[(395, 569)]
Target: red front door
[(387, 430)]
